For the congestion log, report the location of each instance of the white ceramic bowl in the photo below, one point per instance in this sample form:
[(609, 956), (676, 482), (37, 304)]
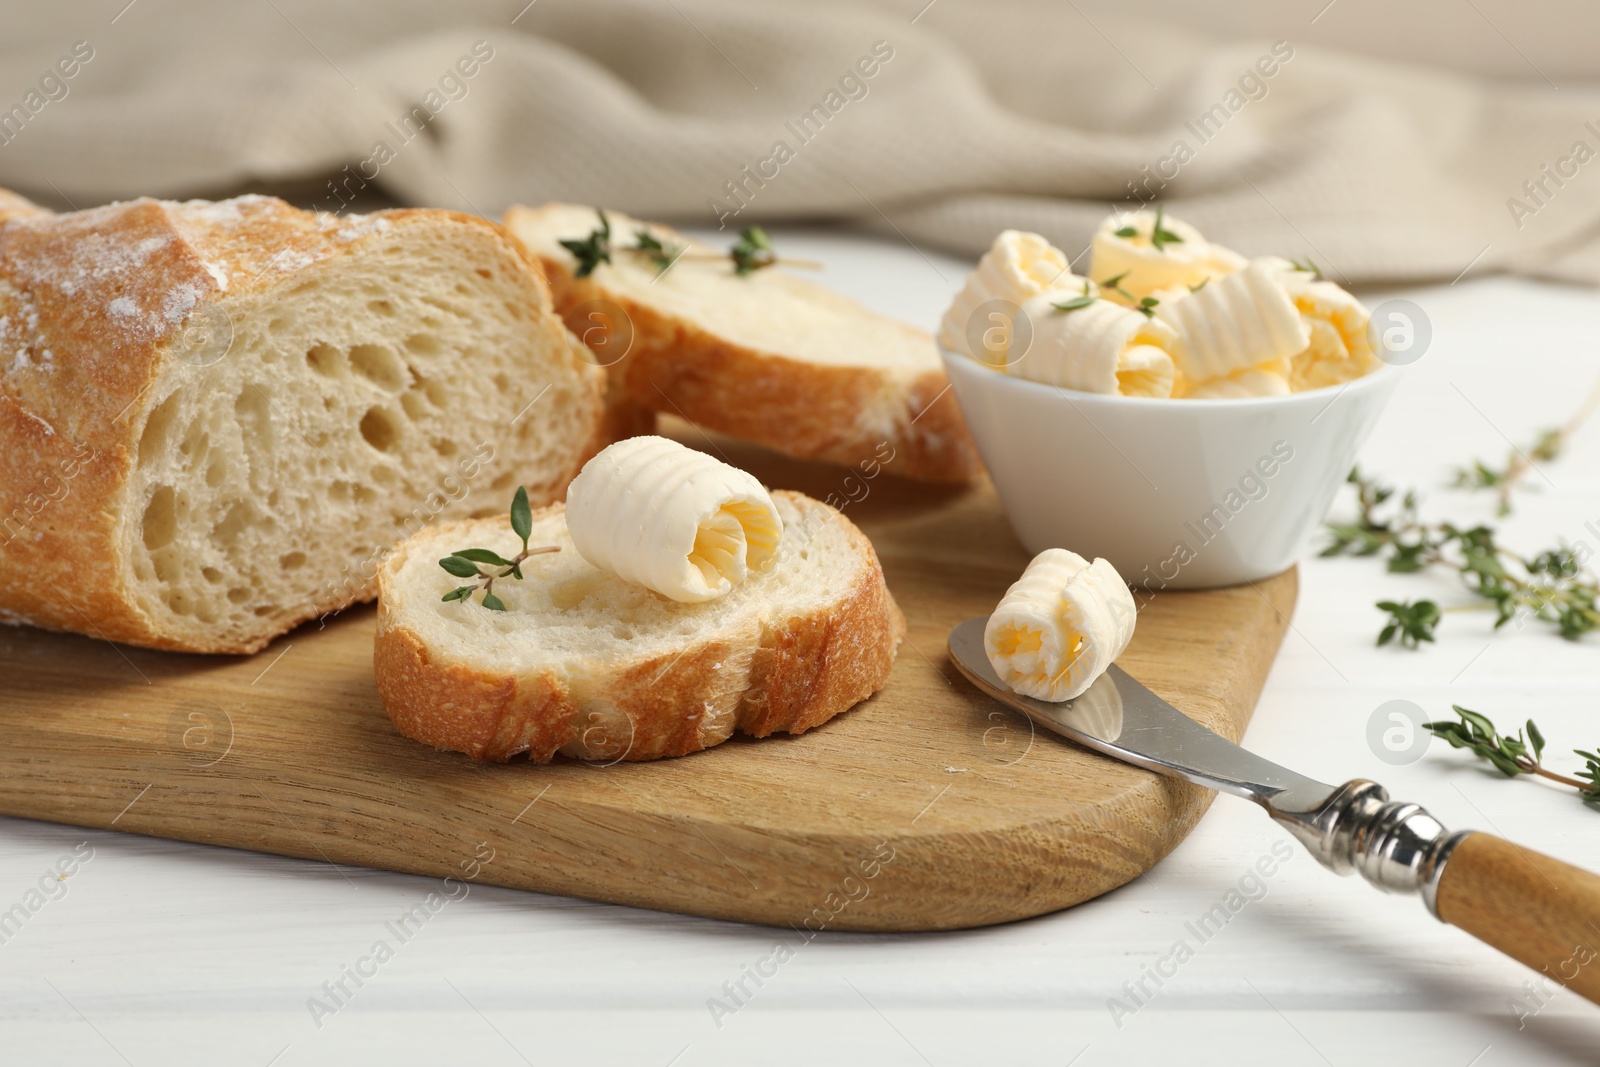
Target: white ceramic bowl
[(1177, 494)]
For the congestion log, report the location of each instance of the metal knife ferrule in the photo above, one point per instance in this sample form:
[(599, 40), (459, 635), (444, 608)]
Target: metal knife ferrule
[(1395, 845)]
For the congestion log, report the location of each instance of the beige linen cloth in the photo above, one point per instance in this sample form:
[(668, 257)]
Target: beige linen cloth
[(976, 116)]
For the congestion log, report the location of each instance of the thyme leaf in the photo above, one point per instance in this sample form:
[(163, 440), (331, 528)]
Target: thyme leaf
[(593, 250), (1078, 301), (752, 251)]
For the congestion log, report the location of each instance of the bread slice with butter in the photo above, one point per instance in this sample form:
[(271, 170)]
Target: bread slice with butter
[(586, 664), (766, 357)]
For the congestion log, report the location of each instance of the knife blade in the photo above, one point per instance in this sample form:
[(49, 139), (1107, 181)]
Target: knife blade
[(1120, 717), (1538, 910)]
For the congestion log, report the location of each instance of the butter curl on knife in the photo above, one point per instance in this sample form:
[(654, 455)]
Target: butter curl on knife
[(1059, 626)]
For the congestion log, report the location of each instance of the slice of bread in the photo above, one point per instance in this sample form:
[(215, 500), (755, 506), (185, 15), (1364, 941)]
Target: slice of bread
[(767, 357), (216, 418), (588, 665)]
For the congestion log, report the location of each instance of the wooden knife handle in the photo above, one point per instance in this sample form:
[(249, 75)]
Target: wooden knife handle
[(1537, 910)]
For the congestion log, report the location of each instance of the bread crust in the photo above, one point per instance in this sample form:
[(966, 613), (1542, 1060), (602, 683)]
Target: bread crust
[(12, 204), (69, 439), (788, 680), (842, 414), (620, 419)]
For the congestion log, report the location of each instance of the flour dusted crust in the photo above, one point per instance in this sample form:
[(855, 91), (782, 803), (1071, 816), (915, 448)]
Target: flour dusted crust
[(787, 657), (105, 316), (845, 412)]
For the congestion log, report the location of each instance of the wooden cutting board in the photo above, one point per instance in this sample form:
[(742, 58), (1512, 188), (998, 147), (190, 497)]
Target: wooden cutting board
[(928, 807)]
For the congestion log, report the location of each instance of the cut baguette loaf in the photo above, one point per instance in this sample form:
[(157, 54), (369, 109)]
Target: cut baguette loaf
[(767, 357), (587, 665), (215, 418)]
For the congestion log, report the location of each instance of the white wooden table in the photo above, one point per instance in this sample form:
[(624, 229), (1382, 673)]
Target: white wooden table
[(156, 952)]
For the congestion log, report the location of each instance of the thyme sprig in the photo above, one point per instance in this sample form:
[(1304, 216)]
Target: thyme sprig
[(596, 249), (1519, 461), (1306, 266), (1145, 306), (469, 562), (753, 251), (659, 252), (1160, 236), (1411, 623), (1114, 283), (1512, 756), (1552, 586), (593, 250)]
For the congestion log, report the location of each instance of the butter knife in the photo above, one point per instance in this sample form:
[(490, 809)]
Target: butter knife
[(1537, 910)]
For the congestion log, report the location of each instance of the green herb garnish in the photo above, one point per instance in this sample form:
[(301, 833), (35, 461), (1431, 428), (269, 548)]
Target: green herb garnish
[(1412, 623), (1145, 306), (1515, 755), (1159, 236), (469, 562), (592, 250), (1307, 267), (1115, 284), (658, 252), (1590, 774), (1078, 301), (752, 251), (1552, 586)]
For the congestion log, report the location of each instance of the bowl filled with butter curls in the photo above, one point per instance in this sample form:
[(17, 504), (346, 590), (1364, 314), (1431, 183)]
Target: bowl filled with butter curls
[(1179, 409)]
